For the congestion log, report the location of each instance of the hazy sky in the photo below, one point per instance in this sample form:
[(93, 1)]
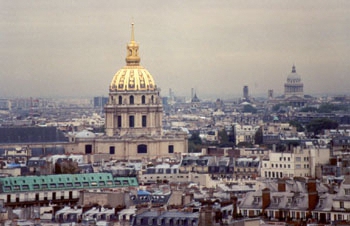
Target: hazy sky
[(74, 48)]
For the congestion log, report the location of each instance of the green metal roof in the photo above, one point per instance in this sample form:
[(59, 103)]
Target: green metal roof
[(64, 181)]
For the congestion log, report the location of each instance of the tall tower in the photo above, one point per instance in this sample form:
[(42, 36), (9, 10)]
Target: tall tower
[(246, 92), (293, 86), (134, 107)]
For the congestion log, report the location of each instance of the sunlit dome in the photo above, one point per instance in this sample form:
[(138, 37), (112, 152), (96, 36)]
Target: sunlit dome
[(133, 76)]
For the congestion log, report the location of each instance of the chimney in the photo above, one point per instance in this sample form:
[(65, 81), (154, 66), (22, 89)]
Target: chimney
[(265, 199), (312, 193), (281, 185)]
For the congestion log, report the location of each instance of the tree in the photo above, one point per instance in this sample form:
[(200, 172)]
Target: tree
[(232, 135), (316, 126), (67, 166), (249, 109), (223, 137), (298, 125), (194, 142), (308, 109), (195, 138), (328, 108), (258, 138)]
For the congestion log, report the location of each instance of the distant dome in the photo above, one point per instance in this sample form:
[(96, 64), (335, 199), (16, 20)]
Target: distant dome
[(132, 77), (293, 77), (85, 134)]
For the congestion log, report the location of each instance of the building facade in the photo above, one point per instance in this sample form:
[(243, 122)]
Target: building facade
[(133, 117)]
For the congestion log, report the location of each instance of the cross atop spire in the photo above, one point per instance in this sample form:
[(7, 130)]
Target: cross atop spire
[(132, 32)]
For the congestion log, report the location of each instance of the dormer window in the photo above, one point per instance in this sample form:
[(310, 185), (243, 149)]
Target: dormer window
[(256, 199)]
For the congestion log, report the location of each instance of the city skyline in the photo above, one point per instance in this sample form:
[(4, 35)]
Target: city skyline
[(74, 48)]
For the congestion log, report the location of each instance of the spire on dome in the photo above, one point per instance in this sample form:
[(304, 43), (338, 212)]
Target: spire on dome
[(132, 55), (293, 69), (132, 32)]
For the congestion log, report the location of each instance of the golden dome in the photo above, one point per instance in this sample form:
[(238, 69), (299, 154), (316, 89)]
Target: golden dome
[(133, 76)]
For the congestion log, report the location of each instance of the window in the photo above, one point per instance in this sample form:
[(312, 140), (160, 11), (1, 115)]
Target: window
[(141, 149), (131, 121), (341, 204), (144, 120), (340, 217), (143, 99), (111, 150), (88, 149), (120, 100), (7, 188), (297, 159), (297, 166), (171, 149), (347, 191), (131, 99), (119, 121)]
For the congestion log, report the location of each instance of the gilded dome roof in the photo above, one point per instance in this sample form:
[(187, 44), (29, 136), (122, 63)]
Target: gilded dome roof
[(133, 76)]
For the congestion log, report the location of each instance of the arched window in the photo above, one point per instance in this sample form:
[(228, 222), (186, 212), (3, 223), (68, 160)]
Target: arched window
[(131, 121), (120, 100), (131, 100), (144, 121), (143, 99), (141, 148)]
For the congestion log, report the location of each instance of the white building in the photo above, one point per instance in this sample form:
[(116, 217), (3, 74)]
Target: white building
[(298, 162)]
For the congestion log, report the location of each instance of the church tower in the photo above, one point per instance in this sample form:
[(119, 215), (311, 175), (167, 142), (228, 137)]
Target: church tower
[(134, 107)]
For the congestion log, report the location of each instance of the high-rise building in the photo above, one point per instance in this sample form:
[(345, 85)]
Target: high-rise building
[(99, 102), (270, 94), (246, 93)]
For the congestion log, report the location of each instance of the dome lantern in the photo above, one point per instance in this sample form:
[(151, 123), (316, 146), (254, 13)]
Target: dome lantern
[(132, 77), (132, 55)]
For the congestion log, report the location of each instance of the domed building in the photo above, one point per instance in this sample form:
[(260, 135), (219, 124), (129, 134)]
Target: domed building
[(293, 86), (134, 106), (133, 117), (294, 89)]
